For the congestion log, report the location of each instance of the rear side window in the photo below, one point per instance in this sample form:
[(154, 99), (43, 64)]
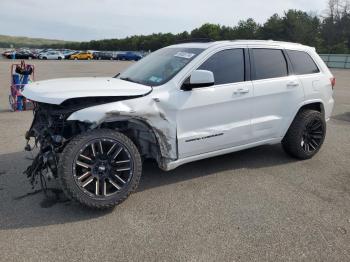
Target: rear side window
[(227, 66), (269, 63), (302, 63)]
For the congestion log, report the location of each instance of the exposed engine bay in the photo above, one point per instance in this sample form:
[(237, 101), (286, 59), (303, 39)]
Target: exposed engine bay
[(51, 131)]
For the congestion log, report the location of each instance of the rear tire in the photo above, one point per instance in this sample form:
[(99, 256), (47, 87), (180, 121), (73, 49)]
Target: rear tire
[(95, 173), (306, 135)]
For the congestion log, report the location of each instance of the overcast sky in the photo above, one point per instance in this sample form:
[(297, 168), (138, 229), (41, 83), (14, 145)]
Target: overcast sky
[(99, 19)]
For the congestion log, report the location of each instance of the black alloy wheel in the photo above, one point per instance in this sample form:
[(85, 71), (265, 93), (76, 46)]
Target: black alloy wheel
[(306, 134), (100, 168), (312, 136)]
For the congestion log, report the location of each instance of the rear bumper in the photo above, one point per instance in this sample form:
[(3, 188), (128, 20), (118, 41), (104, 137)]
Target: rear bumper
[(329, 108)]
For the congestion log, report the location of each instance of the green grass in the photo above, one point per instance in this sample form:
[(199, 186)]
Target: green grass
[(21, 41)]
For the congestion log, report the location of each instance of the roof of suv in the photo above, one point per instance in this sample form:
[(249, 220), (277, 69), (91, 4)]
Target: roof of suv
[(206, 45)]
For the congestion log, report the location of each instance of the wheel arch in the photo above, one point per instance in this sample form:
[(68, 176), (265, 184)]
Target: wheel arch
[(313, 105), (316, 105), (147, 139)]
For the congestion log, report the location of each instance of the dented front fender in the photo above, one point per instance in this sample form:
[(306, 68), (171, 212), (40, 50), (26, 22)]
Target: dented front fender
[(147, 109)]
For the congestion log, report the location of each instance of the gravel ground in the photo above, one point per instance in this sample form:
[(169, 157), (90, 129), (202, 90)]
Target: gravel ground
[(254, 205)]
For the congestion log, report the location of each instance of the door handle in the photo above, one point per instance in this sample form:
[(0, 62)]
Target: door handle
[(241, 91), (292, 84)]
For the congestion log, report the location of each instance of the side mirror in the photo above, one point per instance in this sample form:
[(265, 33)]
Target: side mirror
[(199, 78)]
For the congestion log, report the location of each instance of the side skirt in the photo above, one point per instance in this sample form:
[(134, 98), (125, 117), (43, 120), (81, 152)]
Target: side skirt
[(174, 164)]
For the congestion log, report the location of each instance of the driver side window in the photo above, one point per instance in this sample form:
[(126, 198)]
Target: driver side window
[(227, 66)]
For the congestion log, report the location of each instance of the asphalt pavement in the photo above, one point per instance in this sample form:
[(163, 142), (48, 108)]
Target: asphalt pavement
[(254, 205)]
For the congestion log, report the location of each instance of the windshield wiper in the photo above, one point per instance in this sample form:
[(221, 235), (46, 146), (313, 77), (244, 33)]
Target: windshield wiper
[(128, 79)]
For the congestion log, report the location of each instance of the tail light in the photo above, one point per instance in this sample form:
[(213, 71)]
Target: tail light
[(333, 82)]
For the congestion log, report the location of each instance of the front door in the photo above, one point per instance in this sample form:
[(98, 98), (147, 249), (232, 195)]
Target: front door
[(216, 117)]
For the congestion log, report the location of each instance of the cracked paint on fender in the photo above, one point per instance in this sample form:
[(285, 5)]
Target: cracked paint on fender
[(144, 109)]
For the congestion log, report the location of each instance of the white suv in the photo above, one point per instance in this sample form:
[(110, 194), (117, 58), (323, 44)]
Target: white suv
[(179, 104)]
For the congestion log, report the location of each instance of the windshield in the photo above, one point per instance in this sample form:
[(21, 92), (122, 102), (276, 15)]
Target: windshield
[(160, 66)]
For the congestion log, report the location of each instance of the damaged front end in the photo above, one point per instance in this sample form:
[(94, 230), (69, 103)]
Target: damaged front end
[(50, 132), (143, 121)]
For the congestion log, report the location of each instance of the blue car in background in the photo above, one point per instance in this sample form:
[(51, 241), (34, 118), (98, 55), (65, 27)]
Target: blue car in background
[(129, 56)]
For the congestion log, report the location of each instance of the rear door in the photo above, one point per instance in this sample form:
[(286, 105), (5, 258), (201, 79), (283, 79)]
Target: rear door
[(312, 79), (277, 92), (216, 117)]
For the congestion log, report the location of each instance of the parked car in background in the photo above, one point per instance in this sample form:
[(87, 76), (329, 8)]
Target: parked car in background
[(51, 55), (103, 56), (68, 53), (19, 55), (129, 56), (7, 52), (36, 53), (82, 56)]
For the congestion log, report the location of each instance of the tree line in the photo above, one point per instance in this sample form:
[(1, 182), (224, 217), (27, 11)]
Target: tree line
[(329, 33)]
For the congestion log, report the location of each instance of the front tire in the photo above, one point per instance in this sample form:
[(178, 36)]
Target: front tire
[(306, 135), (100, 169)]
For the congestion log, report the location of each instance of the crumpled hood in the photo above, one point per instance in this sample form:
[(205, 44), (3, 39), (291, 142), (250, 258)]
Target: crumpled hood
[(56, 91)]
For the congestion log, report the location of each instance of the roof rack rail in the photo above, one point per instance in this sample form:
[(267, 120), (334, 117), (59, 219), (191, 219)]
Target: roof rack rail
[(195, 40)]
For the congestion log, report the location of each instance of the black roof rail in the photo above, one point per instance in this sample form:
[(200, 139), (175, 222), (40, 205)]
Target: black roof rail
[(195, 40)]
